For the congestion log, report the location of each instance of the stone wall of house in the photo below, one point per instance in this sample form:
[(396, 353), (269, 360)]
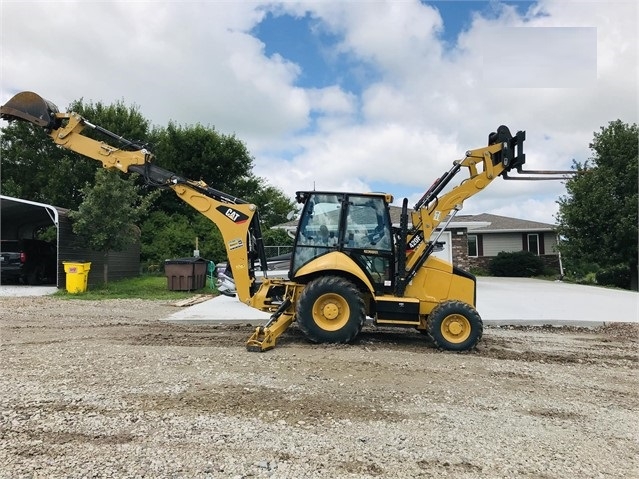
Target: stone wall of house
[(479, 262), (551, 261), (459, 240)]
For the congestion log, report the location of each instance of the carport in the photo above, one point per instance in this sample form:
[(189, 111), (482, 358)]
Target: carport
[(21, 219)]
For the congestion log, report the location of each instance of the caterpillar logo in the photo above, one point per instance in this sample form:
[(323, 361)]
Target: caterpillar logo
[(232, 214)]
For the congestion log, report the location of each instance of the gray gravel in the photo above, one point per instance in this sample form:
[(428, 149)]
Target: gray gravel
[(106, 390)]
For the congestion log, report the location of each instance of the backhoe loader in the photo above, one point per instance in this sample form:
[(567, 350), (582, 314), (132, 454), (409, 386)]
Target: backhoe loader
[(349, 262)]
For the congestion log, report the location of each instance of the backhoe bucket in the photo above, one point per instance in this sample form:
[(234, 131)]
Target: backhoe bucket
[(31, 107)]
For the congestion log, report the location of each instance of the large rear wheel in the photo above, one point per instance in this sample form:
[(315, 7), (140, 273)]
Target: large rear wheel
[(455, 326), (331, 310)]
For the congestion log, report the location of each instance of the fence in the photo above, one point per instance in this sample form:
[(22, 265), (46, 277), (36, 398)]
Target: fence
[(272, 251)]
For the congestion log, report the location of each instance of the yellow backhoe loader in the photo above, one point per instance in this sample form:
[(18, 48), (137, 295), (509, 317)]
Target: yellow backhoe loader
[(349, 262)]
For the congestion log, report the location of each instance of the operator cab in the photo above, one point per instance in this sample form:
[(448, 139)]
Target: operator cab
[(355, 224)]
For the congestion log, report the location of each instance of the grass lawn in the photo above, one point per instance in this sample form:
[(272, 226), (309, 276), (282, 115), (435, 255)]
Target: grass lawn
[(142, 287)]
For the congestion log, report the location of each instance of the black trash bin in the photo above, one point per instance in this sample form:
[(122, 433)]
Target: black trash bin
[(185, 274)]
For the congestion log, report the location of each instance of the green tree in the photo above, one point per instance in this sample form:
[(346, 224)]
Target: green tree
[(599, 215), (276, 237), (170, 236), (225, 164), (200, 153), (274, 206), (36, 169), (106, 218), (119, 118)]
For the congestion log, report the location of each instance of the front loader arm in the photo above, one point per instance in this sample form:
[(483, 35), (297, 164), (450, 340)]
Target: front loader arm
[(237, 220), (430, 216), (503, 153)]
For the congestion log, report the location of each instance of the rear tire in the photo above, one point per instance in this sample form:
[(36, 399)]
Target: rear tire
[(331, 310), (34, 277), (455, 326)]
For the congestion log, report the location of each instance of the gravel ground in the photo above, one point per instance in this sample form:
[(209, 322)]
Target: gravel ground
[(105, 389)]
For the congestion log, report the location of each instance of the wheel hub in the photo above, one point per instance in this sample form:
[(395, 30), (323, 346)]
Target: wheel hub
[(330, 311), (455, 328)]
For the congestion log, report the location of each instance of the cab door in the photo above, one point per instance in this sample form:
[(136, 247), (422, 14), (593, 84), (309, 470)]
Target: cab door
[(368, 239)]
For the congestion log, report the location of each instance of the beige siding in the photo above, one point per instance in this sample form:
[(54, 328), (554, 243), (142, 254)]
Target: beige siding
[(495, 243), (550, 243), (447, 253)]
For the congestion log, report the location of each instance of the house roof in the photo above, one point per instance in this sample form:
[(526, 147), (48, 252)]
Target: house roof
[(487, 223), (482, 223)]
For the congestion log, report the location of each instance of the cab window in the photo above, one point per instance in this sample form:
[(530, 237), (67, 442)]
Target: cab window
[(318, 228), (367, 224)]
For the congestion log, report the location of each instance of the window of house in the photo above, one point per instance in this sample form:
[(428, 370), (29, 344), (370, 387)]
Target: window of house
[(533, 243), (472, 245)]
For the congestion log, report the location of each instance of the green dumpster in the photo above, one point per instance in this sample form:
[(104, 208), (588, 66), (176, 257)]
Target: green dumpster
[(77, 275)]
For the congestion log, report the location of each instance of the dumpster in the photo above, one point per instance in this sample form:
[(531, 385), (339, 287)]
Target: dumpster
[(185, 274), (77, 276)]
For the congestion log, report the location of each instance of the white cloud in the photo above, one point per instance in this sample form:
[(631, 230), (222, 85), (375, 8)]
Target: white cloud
[(426, 105), (187, 62)]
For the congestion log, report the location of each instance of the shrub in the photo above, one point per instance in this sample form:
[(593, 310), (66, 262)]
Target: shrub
[(588, 278), (478, 271), (521, 264), (581, 271), (618, 276)]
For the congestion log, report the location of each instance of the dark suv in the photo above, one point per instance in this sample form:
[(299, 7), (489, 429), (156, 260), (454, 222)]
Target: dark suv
[(27, 261)]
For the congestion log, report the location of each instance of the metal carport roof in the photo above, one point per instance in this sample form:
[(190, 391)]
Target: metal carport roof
[(17, 214)]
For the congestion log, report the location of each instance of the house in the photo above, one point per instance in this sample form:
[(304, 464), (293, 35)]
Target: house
[(487, 235), (471, 241)]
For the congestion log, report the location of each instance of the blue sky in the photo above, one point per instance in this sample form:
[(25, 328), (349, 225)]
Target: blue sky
[(378, 95), (303, 40)]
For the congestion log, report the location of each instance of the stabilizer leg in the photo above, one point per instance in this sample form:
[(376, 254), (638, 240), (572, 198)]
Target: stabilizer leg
[(264, 337)]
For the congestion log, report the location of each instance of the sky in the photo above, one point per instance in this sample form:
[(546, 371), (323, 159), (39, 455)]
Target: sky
[(347, 95)]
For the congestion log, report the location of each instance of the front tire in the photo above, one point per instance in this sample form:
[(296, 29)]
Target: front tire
[(331, 310), (455, 326)]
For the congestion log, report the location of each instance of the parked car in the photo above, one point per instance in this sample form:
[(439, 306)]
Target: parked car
[(28, 261), (277, 267)]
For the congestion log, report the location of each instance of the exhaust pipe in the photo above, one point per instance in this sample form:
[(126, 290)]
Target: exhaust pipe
[(31, 107)]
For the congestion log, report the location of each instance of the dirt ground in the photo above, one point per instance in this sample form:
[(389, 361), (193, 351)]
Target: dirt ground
[(106, 389)]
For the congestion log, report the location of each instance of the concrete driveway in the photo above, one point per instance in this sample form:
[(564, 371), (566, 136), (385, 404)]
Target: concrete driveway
[(516, 300), (502, 301), (21, 290)]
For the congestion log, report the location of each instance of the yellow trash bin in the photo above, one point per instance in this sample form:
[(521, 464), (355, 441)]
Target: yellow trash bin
[(77, 276)]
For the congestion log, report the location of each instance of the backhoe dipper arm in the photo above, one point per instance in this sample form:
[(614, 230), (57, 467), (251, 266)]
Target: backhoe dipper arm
[(237, 220)]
